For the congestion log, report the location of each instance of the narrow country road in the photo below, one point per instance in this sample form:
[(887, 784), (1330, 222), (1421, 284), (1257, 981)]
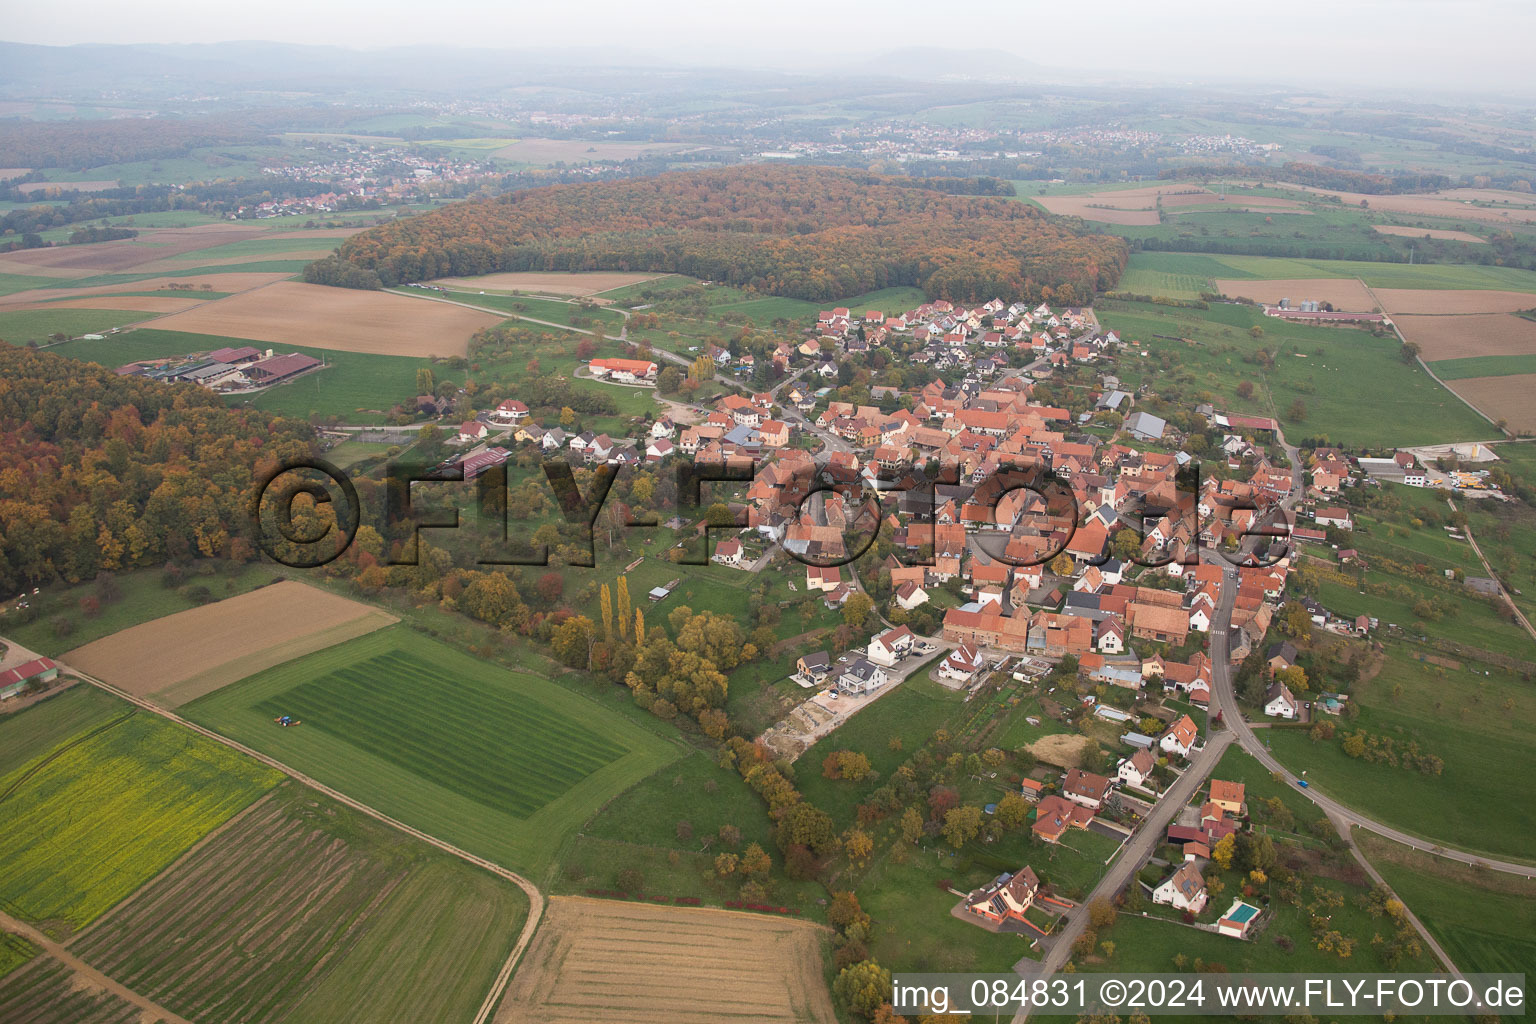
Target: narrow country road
[(1131, 857), (88, 975), (535, 898), (1519, 615)]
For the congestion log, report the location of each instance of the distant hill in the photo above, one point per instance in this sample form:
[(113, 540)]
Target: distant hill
[(807, 232)]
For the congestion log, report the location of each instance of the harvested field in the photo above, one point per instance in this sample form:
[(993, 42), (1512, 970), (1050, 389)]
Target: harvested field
[(344, 319), (184, 264), (66, 186), (1488, 195), (1093, 208), (599, 961), (180, 657), (1435, 205), (1345, 293), (147, 303), (1502, 398), (150, 247), (581, 284), (229, 283), (1399, 301), (7, 173), (303, 910), (1234, 202), (1471, 334), (1403, 231), (1062, 749), (577, 151)]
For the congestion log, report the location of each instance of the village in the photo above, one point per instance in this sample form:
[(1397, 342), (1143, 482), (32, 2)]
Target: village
[(1104, 587)]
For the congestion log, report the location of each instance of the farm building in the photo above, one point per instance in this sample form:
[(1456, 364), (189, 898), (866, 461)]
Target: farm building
[(15, 680), (276, 369), (626, 371)]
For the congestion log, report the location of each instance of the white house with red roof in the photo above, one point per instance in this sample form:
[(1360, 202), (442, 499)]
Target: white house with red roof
[(510, 411), (891, 646), (1181, 737)]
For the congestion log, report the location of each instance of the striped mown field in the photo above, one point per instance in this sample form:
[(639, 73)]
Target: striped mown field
[(502, 763)]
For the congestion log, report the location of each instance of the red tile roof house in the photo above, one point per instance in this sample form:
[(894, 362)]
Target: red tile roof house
[(474, 430), (1005, 898), (1086, 788), (1184, 889), (1181, 737), (1055, 815), (510, 411), (728, 552)]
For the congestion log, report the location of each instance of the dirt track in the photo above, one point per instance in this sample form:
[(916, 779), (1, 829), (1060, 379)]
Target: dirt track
[(86, 974)]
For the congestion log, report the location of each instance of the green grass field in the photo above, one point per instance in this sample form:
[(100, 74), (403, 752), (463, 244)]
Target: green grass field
[(1150, 944), (308, 911), (1483, 366), (356, 387), (1485, 921), (1142, 277), (910, 713), (501, 763), (22, 326), (87, 823), (10, 284), (1474, 621), (1321, 367), (1478, 724)]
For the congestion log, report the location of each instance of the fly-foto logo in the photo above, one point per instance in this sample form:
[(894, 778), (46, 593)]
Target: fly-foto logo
[(819, 513)]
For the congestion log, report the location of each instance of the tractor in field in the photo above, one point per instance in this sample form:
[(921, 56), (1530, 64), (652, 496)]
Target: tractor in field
[(287, 720)]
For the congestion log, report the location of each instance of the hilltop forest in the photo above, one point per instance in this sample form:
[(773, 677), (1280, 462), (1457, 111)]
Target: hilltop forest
[(806, 232)]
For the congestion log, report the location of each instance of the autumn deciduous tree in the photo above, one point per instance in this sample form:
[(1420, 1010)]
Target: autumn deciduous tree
[(861, 988), (961, 825)]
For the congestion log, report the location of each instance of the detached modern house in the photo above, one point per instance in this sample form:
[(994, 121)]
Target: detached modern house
[(1184, 889), (1005, 898)]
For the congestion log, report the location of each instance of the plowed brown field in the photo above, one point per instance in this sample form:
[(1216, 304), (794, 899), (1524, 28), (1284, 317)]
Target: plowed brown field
[(234, 282), (598, 961), (180, 657), (1345, 293), (1449, 236), (344, 319), (555, 284), (1507, 398), (1399, 301), (1474, 334)]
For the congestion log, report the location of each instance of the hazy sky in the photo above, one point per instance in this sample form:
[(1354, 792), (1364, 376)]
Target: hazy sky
[(1428, 44)]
